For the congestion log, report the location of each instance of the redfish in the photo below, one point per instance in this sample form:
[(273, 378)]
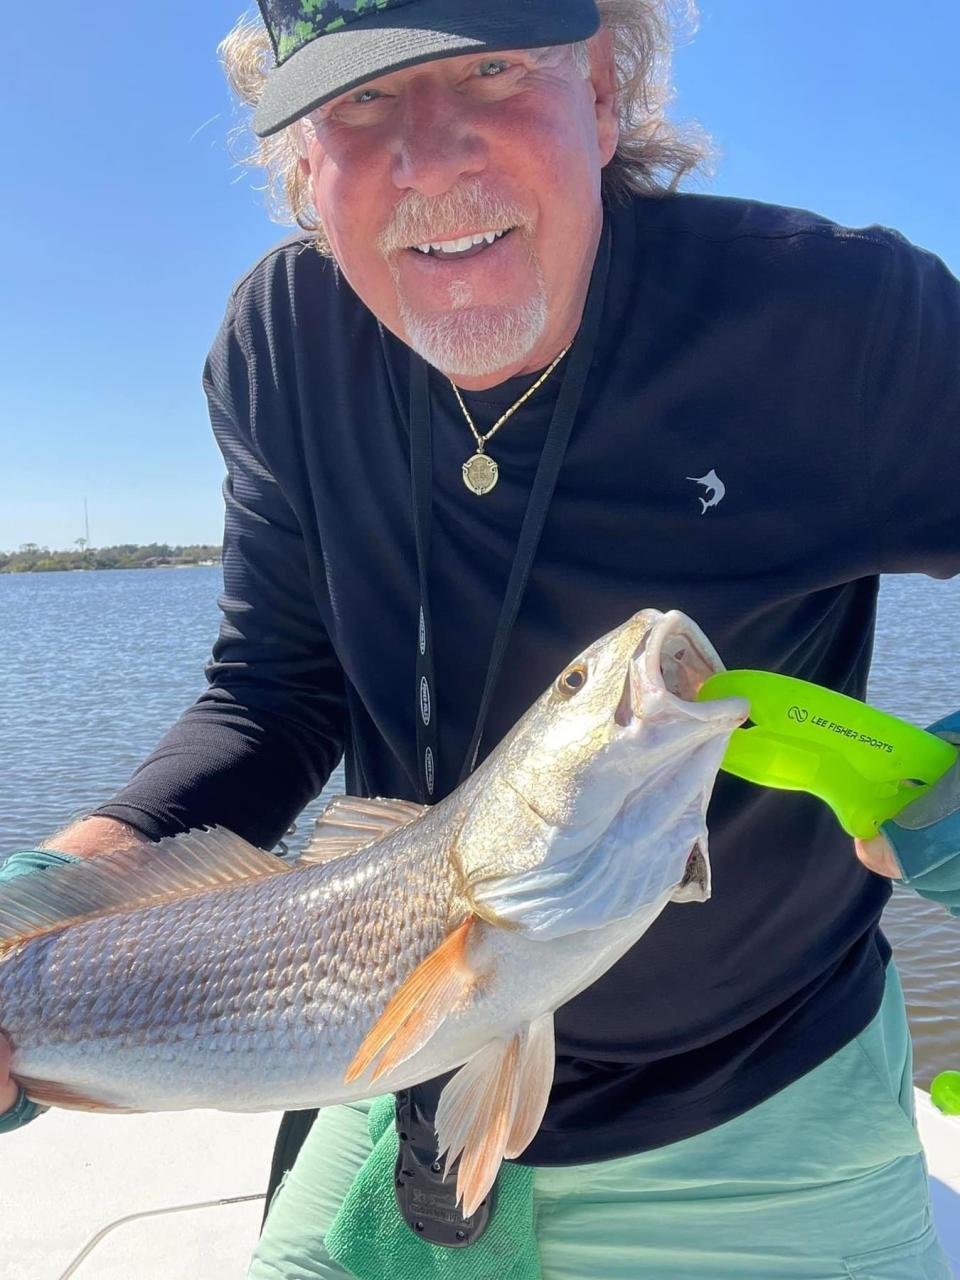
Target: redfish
[(406, 941)]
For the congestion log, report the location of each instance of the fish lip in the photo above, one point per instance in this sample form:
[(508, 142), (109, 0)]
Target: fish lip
[(672, 661), (680, 656)]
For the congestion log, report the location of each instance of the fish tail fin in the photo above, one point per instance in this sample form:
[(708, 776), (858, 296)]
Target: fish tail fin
[(418, 1007), (493, 1106)]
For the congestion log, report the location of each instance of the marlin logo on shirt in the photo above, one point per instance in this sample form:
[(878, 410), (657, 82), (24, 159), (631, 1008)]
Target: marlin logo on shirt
[(716, 490)]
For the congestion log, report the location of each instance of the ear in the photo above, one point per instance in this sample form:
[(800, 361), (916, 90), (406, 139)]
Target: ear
[(303, 160), (603, 77)]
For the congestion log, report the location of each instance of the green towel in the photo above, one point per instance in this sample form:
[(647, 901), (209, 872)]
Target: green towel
[(370, 1239)]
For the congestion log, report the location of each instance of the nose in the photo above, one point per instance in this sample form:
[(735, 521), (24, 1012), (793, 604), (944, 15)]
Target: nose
[(436, 144)]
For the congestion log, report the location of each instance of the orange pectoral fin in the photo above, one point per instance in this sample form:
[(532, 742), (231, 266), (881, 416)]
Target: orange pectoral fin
[(418, 1007), (48, 1093)]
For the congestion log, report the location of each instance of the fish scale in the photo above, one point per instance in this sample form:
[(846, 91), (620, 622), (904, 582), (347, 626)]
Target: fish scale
[(227, 980)]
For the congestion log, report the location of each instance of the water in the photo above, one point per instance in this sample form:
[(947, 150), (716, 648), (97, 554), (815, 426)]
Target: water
[(94, 667)]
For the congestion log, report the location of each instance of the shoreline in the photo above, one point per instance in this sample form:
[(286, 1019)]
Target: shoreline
[(114, 568), (32, 557)]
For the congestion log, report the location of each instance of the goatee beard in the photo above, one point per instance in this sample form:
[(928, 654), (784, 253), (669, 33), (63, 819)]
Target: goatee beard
[(469, 340), (476, 341)]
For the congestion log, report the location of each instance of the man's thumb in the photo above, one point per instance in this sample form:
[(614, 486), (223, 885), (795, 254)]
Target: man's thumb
[(877, 855)]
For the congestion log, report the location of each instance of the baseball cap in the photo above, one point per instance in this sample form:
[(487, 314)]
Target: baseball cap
[(323, 48)]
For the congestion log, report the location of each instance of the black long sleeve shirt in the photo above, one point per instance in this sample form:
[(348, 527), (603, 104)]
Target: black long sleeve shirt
[(815, 370)]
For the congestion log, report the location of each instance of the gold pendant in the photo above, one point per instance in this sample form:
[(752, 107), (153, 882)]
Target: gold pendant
[(480, 474)]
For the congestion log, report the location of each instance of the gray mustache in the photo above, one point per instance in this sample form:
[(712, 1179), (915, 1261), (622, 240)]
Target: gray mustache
[(418, 219)]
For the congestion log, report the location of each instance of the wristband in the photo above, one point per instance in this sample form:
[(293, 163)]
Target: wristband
[(21, 1113), (20, 864), (27, 860)]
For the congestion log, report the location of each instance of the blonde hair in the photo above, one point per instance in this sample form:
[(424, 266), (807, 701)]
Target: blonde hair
[(652, 157)]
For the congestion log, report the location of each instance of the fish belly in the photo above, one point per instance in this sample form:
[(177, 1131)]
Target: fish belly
[(518, 979)]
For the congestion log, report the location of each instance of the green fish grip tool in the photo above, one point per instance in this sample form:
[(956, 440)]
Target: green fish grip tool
[(945, 1092), (865, 764)]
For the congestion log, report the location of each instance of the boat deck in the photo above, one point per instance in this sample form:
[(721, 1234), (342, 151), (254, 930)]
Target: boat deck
[(161, 1197), (166, 1193)]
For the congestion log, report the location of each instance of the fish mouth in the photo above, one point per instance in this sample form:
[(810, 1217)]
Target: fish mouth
[(673, 660), (668, 668)]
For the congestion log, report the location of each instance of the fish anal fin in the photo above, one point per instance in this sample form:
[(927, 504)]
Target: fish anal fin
[(177, 867), (417, 1007), (476, 1115), (537, 1065), (49, 1093), (350, 822)]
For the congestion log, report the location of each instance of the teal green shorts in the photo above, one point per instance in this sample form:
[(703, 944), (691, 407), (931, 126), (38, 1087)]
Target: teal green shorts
[(824, 1181)]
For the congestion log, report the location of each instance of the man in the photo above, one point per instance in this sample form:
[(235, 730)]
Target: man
[(766, 420)]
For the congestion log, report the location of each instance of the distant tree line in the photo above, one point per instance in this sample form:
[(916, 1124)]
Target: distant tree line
[(31, 558)]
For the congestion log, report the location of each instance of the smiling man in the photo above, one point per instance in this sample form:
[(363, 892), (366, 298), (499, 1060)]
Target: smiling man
[(505, 388), (460, 195), (455, 195), (461, 198)]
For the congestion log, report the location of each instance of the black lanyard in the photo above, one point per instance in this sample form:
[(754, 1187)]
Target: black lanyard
[(579, 359)]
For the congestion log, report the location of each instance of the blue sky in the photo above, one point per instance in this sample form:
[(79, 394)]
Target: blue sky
[(126, 221)]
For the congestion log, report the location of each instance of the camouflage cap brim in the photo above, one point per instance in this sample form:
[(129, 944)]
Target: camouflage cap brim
[(326, 47)]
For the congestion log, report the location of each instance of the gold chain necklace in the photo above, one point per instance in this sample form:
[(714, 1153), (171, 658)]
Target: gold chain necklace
[(480, 472)]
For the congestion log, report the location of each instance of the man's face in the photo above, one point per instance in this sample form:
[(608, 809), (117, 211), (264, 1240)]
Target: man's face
[(465, 147)]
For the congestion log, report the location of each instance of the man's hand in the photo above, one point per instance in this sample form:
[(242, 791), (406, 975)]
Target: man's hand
[(91, 836), (924, 838), (877, 856)]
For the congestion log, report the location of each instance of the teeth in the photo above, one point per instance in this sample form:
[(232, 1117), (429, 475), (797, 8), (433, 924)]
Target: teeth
[(463, 243)]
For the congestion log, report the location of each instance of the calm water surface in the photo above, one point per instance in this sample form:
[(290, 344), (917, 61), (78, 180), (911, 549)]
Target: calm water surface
[(94, 667)]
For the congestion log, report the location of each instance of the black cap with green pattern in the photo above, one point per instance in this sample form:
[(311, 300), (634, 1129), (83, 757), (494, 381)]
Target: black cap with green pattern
[(325, 47)]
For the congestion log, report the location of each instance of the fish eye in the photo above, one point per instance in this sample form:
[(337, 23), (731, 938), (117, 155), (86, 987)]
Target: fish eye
[(572, 680)]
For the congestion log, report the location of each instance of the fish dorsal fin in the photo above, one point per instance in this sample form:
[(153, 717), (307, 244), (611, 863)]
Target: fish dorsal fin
[(350, 822), (177, 867)]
